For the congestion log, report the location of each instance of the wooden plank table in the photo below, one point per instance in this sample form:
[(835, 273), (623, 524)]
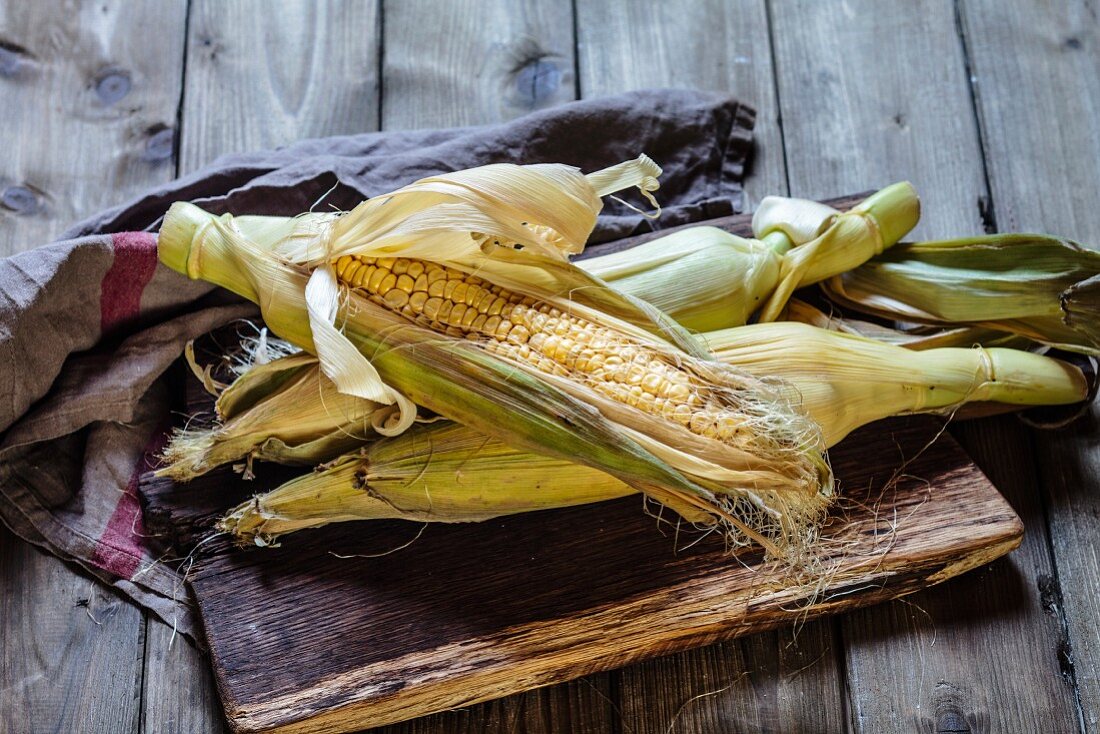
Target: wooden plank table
[(988, 106)]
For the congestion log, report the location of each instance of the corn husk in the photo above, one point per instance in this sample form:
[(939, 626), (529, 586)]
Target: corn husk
[(915, 337), (442, 472), (847, 381), (515, 226), (1039, 287), (285, 411), (449, 473), (707, 279), (820, 243), (704, 277)]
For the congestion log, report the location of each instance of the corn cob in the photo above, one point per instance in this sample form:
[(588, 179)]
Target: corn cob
[(443, 472), (538, 334), (708, 279), (450, 473), (743, 455), (704, 277)]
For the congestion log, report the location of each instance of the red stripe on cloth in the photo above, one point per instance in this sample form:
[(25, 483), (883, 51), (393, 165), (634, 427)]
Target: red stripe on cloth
[(121, 547), (132, 269)]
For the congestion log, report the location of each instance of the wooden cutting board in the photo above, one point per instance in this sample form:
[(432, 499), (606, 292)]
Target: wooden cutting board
[(405, 621), (303, 640)]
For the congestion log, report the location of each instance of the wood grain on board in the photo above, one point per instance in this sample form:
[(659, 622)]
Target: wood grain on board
[(869, 94), (260, 75), (88, 109), (1037, 108), (474, 62), (473, 612)]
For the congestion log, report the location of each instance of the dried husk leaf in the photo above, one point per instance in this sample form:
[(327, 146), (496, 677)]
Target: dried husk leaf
[(284, 411)]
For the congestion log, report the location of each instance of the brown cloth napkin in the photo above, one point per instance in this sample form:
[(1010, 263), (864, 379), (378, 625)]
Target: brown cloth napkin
[(88, 325)]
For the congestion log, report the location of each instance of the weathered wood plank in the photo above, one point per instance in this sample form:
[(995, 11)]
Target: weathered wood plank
[(782, 681), (766, 682), (710, 44), (473, 62), (179, 693), (71, 653), (854, 122), (851, 120), (261, 75), (257, 77), (88, 101), (1038, 95)]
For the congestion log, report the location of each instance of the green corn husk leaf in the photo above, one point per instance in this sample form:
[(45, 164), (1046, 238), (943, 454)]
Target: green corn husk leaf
[(915, 338), (442, 472), (769, 489), (847, 380), (818, 242), (450, 473), (707, 279), (704, 277), (1038, 287)]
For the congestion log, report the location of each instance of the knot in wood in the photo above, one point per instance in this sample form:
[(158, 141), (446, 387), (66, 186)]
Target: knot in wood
[(15, 60), (160, 144), (19, 199), (111, 85), (537, 81)]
